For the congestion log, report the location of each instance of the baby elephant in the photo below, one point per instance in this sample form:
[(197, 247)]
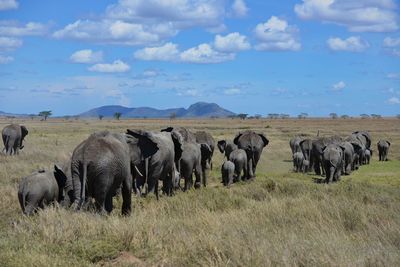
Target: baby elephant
[(239, 158), (227, 171), (41, 188), (298, 159), (368, 154)]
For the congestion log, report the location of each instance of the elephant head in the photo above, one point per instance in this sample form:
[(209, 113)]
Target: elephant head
[(61, 179), (206, 154), (187, 135), (226, 147)]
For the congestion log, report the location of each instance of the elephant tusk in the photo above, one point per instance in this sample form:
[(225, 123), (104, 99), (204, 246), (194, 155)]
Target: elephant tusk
[(136, 168)]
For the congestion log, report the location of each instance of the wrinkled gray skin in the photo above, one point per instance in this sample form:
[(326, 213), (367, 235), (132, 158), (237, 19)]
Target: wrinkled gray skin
[(333, 161), (40, 189), (102, 163), (368, 154), (226, 147), (227, 172), (316, 152), (306, 146), (13, 136), (203, 137), (194, 158), (161, 165), (253, 143), (383, 149), (295, 144), (348, 157), (239, 158), (298, 160)]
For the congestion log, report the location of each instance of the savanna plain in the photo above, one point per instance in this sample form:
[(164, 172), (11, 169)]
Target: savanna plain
[(281, 218)]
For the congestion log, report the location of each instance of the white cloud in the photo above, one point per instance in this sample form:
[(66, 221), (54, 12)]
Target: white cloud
[(9, 43), (10, 28), (393, 75), (5, 59), (116, 66), (231, 43), (393, 100), (87, 56), (205, 54), (276, 34), (338, 86), (189, 92), (239, 8), (351, 44), (167, 52), (356, 15), (391, 42), (8, 4), (232, 91)]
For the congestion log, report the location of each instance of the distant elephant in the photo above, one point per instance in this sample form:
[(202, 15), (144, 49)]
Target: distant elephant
[(359, 149), (253, 143), (368, 154), (203, 137), (102, 163), (333, 160), (383, 149), (365, 137), (306, 147), (13, 137), (226, 147), (294, 144), (227, 172), (239, 158), (298, 159), (161, 165), (348, 157), (40, 189)]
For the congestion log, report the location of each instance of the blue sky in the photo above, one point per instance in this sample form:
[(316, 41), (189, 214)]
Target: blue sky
[(313, 56)]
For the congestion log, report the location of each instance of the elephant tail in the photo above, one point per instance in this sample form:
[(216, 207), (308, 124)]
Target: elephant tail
[(22, 199), (6, 143), (84, 182)]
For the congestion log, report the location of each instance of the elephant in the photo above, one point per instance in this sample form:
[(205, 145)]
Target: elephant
[(333, 161), (348, 157), (226, 147), (253, 143), (103, 163), (203, 137), (161, 165), (359, 149), (316, 151), (40, 189), (306, 147), (365, 137), (295, 144), (298, 159), (383, 149), (239, 159), (368, 154), (227, 172), (306, 164), (13, 136)]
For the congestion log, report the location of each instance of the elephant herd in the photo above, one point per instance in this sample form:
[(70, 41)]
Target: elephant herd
[(333, 156), (107, 164)]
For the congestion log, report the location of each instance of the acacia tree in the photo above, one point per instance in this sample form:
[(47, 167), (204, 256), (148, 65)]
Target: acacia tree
[(172, 116), (117, 115), (333, 115), (101, 117), (242, 116), (45, 114)]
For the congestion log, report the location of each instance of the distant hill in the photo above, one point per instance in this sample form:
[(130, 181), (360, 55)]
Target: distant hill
[(5, 114), (197, 110)]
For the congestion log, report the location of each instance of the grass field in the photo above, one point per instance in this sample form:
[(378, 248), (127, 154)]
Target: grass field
[(281, 218)]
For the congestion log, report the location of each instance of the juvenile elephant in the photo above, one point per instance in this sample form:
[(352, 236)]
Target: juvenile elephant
[(226, 147), (348, 157), (253, 143), (40, 189), (383, 149), (203, 137), (102, 163), (333, 160), (368, 154), (239, 158), (294, 144), (298, 159), (13, 136), (227, 172)]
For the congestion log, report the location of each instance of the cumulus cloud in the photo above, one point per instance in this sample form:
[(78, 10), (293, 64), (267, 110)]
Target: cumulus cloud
[(392, 46), (188, 92), (232, 42), (5, 59), (239, 8), (86, 56), (338, 86), (9, 43), (8, 4), (393, 101), (393, 75), (351, 44), (204, 54), (11, 28), (357, 16), (116, 66), (167, 52), (232, 91), (277, 34)]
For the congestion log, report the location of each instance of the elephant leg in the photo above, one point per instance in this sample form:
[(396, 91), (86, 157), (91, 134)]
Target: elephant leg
[(126, 196), (198, 174), (108, 203), (250, 173)]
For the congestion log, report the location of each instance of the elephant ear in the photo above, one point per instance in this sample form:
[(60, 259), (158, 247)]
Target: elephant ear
[(178, 145), (236, 139), (24, 131), (205, 150), (60, 176), (264, 139), (145, 142), (221, 145), (388, 143), (168, 129)]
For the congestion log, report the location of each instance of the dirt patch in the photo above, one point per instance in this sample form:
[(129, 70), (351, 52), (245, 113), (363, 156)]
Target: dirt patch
[(124, 259)]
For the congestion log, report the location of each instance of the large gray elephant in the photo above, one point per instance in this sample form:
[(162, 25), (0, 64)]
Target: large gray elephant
[(383, 149), (306, 147), (294, 144), (253, 143), (13, 136), (348, 157), (162, 165), (40, 189), (359, 149), (102, 163), (226, 147), (333, 160), (317, 151), (203, 137)]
